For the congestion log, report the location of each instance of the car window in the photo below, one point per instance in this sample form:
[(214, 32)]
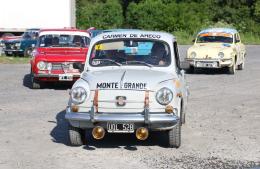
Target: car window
[(130, 52), (237, 38), (63, 40), (215, 38)]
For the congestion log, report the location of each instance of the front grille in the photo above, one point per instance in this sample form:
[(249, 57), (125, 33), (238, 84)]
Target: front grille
[(62, 66), (10, 46)]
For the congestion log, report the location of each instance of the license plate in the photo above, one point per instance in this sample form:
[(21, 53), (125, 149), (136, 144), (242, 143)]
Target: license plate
[(10, 53), (207, 64), (65, 77), (120, 127)]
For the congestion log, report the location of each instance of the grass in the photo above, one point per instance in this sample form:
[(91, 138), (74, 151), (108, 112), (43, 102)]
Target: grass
[(184, 38), (250, 38), (14, 60)]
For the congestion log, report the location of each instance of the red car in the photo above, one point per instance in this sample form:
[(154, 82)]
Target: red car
[(55, 53)]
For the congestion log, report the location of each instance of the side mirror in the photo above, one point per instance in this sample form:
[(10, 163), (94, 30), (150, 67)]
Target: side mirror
[(79, 66), (185, 65)]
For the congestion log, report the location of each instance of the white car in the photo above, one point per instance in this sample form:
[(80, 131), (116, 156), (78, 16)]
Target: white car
[(217, 48), (132, 82)]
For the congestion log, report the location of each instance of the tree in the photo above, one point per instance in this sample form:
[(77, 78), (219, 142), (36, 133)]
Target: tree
[(99, 14)]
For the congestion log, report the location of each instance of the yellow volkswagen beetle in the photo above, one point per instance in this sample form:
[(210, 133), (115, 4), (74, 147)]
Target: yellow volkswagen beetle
[(217, 48)]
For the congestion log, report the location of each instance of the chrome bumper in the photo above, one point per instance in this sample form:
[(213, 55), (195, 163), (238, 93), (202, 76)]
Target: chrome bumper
[(53, 75), (154, 121), (13, 50), (220, 62)]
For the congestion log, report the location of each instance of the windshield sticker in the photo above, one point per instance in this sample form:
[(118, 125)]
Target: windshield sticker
[(126, 85), (115, 36), (216, 34)]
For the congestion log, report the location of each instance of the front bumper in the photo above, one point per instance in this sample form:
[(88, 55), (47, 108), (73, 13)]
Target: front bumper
[(210, 63), (153, 121), (13, 51), (54, 77)]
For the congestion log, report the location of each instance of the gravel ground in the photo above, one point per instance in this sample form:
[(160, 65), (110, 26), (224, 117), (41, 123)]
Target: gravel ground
[(222, 129)]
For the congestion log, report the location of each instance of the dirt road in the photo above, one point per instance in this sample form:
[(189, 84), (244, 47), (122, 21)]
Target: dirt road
[(222, 129)]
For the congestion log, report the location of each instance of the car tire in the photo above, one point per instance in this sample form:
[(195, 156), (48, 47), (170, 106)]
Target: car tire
[(7, 54), (232, 69), (76, 136), (27, 52), (174, 136), (35, 84), (242, 65), (191, 70)]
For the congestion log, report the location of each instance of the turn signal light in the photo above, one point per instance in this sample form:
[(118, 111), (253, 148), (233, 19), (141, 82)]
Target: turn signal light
[(98, 133), (142, 133), (74, 108), (169, 109)]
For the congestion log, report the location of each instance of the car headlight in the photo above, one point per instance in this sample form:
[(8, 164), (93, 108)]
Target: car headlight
[(221, 54), (18, 44), (164, 96), (41, 65), (49, 66), (78, 95), (193, 54)]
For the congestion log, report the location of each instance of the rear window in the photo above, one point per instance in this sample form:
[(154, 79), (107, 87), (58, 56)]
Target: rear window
[(63, 40)]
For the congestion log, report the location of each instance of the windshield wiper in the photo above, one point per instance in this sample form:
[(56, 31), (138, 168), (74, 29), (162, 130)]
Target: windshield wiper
[(141, 62), (110, 60)]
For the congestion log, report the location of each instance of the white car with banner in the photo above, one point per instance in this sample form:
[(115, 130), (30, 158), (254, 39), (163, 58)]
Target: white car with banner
[(132, 82), (217, 48)]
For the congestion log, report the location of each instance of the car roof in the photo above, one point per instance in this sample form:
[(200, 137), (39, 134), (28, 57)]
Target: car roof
[(133, 33), (96, 32), (33, 29), (64, 31), (219, 30)]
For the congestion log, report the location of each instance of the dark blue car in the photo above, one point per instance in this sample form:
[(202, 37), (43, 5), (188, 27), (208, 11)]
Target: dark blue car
[(22, 46)]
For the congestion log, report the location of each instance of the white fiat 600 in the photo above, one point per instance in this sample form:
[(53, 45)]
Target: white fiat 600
[(132, 82)]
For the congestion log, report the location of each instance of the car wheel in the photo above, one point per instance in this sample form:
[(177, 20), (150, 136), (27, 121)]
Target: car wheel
[(242, 65), (76, 136), (232, 69), (27, 52), (174, 136), (7, 54), (191, 70), (34, 83)]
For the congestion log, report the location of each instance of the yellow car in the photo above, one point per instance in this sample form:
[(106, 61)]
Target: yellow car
[(217, 48)]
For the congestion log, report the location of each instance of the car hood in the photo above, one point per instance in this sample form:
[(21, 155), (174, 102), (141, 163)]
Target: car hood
[(126, 79), (209, 50), (62, 54)]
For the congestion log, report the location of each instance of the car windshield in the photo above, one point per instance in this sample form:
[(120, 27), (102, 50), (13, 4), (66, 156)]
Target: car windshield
[(63, 40), (30, 35), (215, 38), (131, 52)]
